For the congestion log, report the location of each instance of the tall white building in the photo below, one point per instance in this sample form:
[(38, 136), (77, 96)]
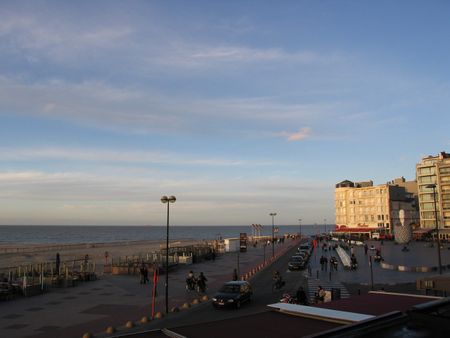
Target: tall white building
[(434, 170)]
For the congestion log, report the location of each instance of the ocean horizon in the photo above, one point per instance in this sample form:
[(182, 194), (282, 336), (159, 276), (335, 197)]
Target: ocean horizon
[(71, 234)]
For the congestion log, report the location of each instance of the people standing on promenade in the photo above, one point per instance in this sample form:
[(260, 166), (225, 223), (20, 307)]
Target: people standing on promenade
[(190, 281), (322, 262), (58, 263), (201, 282), (366, 248), (142, 274), (352, 250), (235, 275)]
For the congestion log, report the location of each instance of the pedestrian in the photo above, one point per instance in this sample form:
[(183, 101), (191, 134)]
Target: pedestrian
[(366, 248), (142, 273), (235, 275), (320, 295), (321, 262), (58, 263), (146, 274), (352, 250), (325, 263), (201, 282), (301, 296)]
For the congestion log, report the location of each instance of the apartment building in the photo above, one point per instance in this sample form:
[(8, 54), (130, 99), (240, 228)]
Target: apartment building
[(434, 170), (367, 208)]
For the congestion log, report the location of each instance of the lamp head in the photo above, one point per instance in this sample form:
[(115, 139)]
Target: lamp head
[(170, 199)]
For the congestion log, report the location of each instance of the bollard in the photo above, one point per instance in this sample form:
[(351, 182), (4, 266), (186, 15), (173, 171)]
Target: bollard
[(158, 315), (87, 335), (195, 301), (175, 309), (129, 324), (110, 330), (185, 306), (205, 298), (144, 320)]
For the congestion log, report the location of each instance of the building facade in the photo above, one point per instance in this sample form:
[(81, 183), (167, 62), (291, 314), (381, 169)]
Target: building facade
[(361, 205), (434, 170)]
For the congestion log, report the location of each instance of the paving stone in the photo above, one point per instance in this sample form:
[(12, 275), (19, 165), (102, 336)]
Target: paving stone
[(15, 327), (12, 316), (48, 328)]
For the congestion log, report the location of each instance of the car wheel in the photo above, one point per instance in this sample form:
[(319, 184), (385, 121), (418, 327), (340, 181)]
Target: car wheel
[(238, 304)]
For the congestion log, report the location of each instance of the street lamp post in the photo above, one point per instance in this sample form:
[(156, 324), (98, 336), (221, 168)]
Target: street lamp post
[(433, 186), (325, 225), (300, 227), (273, 214), (167, 200)]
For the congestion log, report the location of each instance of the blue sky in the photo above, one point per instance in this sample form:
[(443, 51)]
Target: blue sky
[(238, 108)]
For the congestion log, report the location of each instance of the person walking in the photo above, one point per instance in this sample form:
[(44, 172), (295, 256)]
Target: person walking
[(366, 248)]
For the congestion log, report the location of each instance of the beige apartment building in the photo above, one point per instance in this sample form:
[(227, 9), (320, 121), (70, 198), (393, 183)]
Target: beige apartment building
[(434, 170), (365, 208)]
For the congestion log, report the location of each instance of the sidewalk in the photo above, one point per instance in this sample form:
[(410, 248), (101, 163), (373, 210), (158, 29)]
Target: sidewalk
[(114, 300)]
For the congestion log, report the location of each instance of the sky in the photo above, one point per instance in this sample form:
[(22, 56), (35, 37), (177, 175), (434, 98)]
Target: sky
[(237, 108)]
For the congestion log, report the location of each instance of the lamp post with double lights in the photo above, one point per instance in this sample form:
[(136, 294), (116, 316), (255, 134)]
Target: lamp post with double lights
[(168, 200), (273, 214), (433, 186)]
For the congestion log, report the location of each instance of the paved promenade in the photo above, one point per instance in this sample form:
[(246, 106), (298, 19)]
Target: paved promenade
[(114, 300), (349, 281)]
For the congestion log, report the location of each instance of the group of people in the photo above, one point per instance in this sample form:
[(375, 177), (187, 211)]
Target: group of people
[(196, 283)]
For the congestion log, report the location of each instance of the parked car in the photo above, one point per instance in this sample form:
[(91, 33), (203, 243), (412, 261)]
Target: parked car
[(233, 294), (297, 263)]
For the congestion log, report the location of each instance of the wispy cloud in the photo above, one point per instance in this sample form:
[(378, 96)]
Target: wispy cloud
[(300, 135), (138, 110), (117, 156)]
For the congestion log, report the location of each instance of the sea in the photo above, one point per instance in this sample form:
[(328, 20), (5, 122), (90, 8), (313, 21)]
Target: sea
[(53, 234)]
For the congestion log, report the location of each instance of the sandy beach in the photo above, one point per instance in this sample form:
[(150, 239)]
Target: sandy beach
[(14, 255)]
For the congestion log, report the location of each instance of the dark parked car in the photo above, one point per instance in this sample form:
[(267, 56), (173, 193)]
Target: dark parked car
[(233, 294)]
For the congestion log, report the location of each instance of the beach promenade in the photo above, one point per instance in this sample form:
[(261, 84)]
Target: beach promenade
[(114, 300)]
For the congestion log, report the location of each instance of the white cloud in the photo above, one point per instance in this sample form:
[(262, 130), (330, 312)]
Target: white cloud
[(303, 134)]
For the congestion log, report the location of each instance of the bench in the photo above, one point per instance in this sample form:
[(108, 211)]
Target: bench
[(344, 257)]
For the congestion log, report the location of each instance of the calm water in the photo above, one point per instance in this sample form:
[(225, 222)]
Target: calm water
[(98, 234)]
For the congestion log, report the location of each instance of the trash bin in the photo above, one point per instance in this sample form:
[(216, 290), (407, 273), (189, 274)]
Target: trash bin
[(335, 294)]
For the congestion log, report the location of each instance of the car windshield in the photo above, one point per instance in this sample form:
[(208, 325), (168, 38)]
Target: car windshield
[(230, 289)]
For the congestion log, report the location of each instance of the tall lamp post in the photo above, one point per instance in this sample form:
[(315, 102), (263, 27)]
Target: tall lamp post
[(325, 225), (433, 186), (273, 214), (168, 200), (300, 227)]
